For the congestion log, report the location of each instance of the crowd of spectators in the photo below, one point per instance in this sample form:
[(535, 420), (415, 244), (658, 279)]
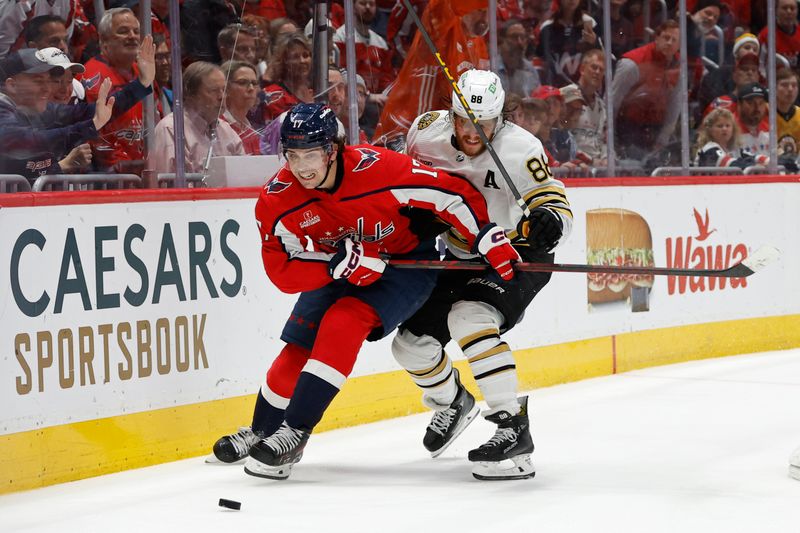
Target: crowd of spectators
[(72, 83)]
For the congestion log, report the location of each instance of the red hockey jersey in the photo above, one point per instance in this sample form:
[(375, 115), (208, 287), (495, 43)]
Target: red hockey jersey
[(121, 139), (373, 189)]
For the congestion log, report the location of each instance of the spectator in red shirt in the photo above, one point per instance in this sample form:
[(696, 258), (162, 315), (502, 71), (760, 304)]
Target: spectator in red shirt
[(240, 97), (288, 77), (120, 147), (373, 57), (645, 94), (787, 38)]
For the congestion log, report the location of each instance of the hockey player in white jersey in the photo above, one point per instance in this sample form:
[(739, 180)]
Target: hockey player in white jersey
[(474, 309)]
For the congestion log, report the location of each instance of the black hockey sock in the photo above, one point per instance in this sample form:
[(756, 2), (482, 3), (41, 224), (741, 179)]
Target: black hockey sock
[(311, 398), (266, 417)]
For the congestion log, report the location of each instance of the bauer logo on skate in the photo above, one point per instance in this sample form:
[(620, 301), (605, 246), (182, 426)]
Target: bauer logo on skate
[(700, 251)]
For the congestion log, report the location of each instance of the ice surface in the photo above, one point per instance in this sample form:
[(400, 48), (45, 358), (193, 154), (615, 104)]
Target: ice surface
[(700, 446)]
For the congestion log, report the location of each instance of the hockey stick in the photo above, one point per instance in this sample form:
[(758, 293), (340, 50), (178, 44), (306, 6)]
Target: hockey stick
[(468, 109), (748, 266)]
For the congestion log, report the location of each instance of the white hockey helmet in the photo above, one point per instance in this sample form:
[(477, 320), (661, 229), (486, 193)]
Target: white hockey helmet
[(483, 92)]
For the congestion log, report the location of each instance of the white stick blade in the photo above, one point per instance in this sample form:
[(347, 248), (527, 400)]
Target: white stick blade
[(761, 258)]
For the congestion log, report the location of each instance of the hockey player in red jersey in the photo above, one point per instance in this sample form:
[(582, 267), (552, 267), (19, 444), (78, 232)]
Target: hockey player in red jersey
[(356, 205)]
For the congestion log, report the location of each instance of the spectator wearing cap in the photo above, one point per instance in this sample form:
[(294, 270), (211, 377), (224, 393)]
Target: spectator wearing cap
[(786, 90), (751, 114), (34, 132), (787, 36), (240, 97), (720, 81), (237, 42), (63, 87), (50, 31), (205, 136), (516, 73), (558, 142), (745, 73), (563, 39), (646, 99), (373, 57), (534, 115), (121, 146), (589, 129)]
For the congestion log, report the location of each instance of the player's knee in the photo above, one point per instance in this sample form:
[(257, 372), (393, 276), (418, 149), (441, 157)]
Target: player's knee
[(413, 352), (467, 318)]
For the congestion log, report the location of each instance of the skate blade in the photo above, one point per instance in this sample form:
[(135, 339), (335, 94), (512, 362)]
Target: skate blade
[(520, 468), (212, 460), (259, 469), (466, 421)]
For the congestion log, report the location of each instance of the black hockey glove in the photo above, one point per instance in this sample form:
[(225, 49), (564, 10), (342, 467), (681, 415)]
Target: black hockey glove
[(541, 229)]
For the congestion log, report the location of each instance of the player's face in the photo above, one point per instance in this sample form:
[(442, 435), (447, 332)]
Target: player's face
[(467, 138), (722, 131), (310, 167)]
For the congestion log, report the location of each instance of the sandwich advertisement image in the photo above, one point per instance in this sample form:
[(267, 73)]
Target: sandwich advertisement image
[(618, 237)]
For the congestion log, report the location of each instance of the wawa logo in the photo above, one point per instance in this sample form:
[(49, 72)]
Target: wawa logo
[(695, 251)]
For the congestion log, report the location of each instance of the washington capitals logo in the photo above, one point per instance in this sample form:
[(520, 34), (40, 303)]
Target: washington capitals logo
[(272, 97), (277, 185), (368, 158), (89, 83)]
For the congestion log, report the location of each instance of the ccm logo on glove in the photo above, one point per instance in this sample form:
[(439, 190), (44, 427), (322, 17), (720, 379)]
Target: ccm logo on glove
[(496, 249), (354, 262)]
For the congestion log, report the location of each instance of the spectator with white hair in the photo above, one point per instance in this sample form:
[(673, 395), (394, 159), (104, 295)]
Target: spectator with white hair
[(121, 146)]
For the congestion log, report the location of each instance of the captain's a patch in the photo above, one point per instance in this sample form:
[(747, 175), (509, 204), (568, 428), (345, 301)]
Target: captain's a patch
[(427, 119)]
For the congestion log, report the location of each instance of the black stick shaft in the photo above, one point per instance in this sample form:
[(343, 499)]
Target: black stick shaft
[(738, 270)]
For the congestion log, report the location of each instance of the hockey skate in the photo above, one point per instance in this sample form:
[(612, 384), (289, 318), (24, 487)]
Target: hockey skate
[(233, 449), (507, 455), (448, 423), (273, 457)]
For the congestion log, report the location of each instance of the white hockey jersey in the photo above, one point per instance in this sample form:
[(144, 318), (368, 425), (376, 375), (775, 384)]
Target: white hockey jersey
[(431, 141)]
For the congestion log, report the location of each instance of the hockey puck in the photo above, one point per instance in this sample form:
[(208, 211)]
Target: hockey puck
[(230, 504)]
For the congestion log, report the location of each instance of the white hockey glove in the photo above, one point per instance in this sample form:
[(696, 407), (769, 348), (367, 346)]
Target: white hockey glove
[(496, 249), (355, 262)]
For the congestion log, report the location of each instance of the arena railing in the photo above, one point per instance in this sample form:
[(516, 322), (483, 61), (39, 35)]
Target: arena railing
[(86, 182), (14, 183)]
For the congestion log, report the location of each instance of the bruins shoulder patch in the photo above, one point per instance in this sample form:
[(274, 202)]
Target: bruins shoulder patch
[(427, 119)]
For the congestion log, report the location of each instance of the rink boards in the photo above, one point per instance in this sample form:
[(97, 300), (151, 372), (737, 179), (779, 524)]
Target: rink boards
[(135, 326)]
